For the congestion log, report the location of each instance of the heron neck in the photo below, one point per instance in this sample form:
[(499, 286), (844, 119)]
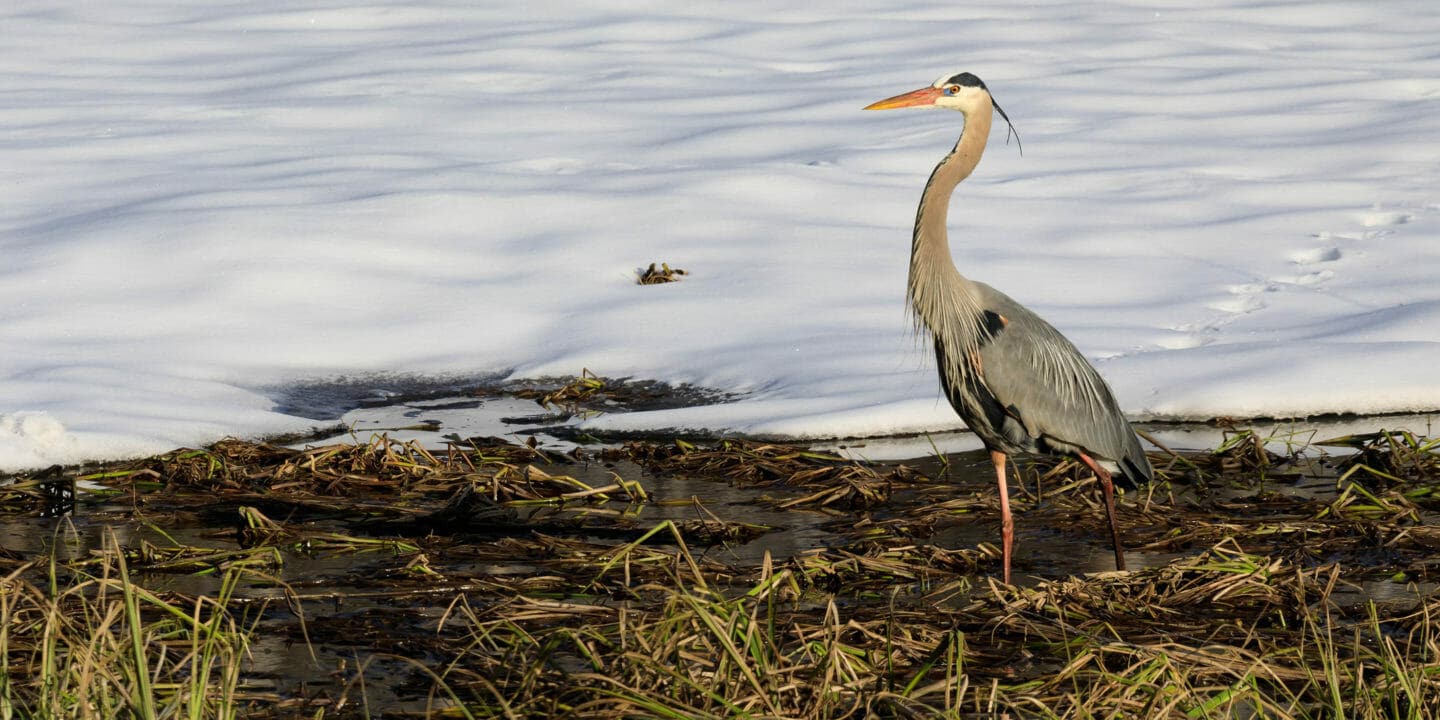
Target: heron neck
[(938, 293)]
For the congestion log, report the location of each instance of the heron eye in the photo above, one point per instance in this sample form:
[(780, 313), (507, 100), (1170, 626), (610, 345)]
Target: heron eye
[(952, 89)]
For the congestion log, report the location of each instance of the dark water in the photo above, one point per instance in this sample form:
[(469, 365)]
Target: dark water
[(352, 605)]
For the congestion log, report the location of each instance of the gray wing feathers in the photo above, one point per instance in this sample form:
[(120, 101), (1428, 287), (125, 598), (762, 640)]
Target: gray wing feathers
[(1050, 388)]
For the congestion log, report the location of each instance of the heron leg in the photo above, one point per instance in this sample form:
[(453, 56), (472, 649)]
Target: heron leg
[(1007, 524), (1107, 488)]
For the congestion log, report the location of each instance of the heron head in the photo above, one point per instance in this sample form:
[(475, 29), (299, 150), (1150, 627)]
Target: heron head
[(961, 91)]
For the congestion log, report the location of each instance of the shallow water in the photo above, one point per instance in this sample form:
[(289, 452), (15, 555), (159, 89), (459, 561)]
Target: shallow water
[(357, 603), (434, 415), (437, 419)]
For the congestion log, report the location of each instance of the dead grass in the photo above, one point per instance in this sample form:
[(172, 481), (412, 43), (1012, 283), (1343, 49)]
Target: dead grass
[(657, 276), (497, 581), (92, 642), (570, 396), (1219, 634), (831, 481)]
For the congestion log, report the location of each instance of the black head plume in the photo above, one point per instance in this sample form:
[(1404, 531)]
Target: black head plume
[(1010, 127)]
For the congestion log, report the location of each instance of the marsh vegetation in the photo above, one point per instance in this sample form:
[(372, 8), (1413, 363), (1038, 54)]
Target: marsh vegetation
[(671, 578)]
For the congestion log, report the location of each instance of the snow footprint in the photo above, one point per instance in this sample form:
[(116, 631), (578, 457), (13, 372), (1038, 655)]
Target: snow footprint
[(1384, 218), (1313, 267), (1244, 299), (1314, 256)]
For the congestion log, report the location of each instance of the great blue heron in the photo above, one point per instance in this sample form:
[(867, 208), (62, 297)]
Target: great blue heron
[(1011, 376)]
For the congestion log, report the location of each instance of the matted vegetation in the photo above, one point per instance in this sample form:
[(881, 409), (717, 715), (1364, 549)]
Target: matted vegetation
[(495, 580), (656, 276)]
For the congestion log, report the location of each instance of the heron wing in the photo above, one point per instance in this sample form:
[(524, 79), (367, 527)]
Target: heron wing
[(1048, 386)]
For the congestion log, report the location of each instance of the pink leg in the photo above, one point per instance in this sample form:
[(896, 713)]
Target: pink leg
[(1107, 488), (1007, 524)]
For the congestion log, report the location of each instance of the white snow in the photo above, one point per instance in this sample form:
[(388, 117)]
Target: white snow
[(1232, 207)]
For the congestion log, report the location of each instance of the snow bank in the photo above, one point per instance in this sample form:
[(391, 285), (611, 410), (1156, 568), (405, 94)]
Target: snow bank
[(1232, 210)]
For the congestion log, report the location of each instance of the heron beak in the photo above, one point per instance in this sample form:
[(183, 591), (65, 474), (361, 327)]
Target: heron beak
[(923, 97)]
